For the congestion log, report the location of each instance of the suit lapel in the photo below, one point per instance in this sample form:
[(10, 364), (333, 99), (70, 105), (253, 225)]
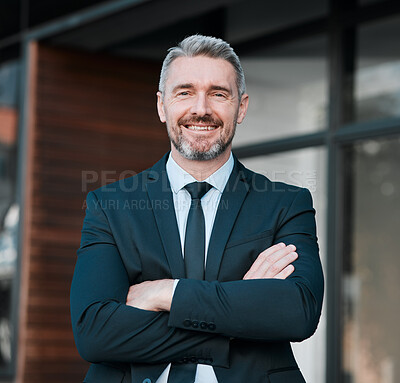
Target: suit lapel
[(229, 206), (160, 194)]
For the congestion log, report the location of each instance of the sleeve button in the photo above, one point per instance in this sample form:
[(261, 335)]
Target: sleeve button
[(195, 324), (203, 325), (211, 326), (187, 322)]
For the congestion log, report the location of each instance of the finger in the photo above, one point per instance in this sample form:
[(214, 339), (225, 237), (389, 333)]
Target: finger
[(270, 258), (263, 255), (285, 272), (268, 270), (281, 253), (280, 264)]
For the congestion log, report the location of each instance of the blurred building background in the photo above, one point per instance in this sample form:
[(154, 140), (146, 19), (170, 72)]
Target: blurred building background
[(77, 110)]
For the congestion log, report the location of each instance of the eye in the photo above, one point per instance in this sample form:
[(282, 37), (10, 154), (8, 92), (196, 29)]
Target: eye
[(220, 95), (184, 93)]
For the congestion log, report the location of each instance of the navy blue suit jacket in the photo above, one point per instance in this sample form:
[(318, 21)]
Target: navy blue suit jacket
[(242, 328)]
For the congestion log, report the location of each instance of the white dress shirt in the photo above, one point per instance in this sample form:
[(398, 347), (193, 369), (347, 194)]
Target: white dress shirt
[(178, 179)]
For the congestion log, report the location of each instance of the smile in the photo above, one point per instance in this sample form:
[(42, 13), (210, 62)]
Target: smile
[(200, 128)]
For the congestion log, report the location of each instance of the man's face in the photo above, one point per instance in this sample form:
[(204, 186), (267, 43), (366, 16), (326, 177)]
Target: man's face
[(201, 106)]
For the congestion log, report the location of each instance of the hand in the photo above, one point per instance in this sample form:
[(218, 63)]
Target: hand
[(151, 295), (274, 262)]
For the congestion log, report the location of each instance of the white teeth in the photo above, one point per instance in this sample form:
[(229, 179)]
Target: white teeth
[(195, 127)]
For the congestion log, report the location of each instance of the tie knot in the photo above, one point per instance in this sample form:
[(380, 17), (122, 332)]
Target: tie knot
[(198, 189)]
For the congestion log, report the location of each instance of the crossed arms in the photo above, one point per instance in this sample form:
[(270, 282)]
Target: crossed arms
[(114, 322), (274, 262)]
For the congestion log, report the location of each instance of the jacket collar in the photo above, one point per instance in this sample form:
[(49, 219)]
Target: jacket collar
[(159, 189)]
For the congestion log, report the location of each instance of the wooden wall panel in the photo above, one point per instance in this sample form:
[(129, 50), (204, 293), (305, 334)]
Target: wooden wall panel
[(8, 125), (89, 113)]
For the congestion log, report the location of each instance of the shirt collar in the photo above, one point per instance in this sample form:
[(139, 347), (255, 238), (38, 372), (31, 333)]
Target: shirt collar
[(179, 177)]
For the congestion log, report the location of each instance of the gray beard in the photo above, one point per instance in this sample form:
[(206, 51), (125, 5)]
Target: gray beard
[(184, 148)]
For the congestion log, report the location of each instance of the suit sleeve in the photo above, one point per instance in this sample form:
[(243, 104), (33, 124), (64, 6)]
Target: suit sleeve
[(262, 309), (105, 328)]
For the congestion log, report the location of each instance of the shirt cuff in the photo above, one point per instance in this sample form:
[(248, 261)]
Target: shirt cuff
[(175, 284)]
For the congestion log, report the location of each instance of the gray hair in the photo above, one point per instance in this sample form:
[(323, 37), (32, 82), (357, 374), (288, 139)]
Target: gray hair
[(198, 45)]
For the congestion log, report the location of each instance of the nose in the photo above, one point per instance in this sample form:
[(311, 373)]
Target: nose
[(201, 105)]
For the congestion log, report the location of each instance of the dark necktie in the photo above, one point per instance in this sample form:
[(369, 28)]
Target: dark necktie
[(194, 251), (195, 237)]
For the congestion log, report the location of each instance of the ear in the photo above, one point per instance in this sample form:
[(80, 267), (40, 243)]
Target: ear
[(160, 107), (244, 103)]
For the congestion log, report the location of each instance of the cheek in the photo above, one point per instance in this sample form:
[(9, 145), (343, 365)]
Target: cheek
[(174, 114), (228, 114), (229, 121)]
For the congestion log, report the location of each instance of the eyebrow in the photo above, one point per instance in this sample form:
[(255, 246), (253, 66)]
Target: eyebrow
[(222, 88), (191, 86), (183, 86)]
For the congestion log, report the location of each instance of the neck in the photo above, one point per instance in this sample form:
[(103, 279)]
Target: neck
[(200, 169)]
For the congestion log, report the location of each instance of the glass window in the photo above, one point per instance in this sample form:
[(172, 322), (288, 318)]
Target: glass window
[(9, 212), (378, 71), (305, 168), (372, 266), (287, 86), (8, 84)]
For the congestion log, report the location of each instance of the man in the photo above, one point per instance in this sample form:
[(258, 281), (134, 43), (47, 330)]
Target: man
[(197, 270)]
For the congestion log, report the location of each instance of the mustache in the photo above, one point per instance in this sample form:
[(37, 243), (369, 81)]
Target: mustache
[(201, 119)]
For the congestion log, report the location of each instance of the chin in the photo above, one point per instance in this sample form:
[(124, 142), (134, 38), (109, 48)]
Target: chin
[(190, 153)]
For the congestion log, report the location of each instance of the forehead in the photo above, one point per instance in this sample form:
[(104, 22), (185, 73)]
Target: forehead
[(201, 71)]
